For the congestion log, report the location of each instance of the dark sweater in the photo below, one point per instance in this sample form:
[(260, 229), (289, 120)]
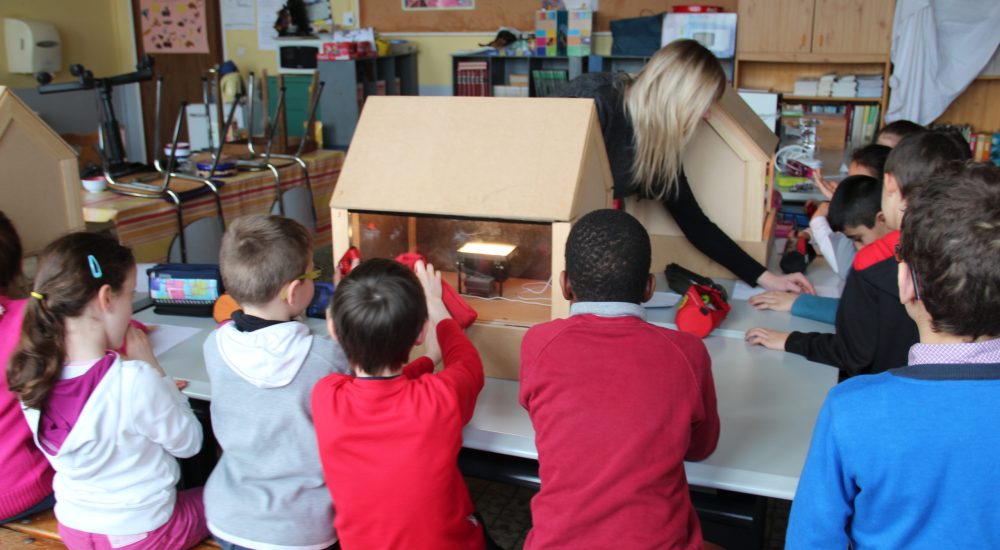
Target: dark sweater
[(874, 333), (607, 91)]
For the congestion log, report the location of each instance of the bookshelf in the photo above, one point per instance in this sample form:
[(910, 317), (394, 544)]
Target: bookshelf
[(497, 71), (348, 82)]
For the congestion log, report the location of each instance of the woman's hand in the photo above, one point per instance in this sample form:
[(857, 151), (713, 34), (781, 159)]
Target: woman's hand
[(770, 339), (776, 300), (792, 282)]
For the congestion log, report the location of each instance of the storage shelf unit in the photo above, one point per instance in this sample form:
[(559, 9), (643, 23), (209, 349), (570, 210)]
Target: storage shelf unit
[(340, 104), (499, 68)]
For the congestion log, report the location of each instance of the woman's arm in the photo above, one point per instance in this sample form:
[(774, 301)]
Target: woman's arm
[(712, 242), (706, 236)]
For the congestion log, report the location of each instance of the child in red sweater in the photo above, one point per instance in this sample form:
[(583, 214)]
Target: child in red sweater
[(389, 436), (617, 403)]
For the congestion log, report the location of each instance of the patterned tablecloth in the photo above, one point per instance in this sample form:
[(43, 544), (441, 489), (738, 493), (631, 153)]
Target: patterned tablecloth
[(148, 225)]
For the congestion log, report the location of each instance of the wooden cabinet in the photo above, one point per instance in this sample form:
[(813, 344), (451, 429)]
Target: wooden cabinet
[(811, 30), (775, 26), (853, 26)]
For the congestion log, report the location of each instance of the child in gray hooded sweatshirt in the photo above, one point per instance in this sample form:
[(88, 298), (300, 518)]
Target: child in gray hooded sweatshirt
[(267, 491)]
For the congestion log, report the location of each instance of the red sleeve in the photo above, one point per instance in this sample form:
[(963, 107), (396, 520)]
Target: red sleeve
[(463, 369), (418, 367), (705, 431)]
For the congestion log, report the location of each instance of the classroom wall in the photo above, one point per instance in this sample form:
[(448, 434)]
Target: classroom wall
[(95, 33)]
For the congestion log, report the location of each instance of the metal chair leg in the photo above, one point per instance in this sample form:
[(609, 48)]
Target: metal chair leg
[(180, 224)]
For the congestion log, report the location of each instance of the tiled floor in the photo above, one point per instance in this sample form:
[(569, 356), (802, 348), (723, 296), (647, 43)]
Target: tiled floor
[(507, 513)]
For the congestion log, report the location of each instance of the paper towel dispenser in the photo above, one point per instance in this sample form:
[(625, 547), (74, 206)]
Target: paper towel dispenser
[(32, 46)]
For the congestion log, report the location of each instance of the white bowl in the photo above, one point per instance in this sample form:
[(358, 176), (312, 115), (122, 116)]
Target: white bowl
[(94, 185)]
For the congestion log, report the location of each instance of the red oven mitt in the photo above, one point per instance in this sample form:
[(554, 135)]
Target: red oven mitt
[(460, 311)]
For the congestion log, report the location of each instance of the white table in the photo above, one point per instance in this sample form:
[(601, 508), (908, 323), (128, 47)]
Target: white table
[(768, 400)]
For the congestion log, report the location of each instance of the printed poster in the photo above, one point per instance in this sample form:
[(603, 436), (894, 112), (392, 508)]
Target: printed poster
[(173, 26)]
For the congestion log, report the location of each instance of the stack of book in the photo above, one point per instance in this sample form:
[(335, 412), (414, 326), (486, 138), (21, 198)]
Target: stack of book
[(517, 86), (870, 85), (473, 78), (845, 86), (825, 88), (548, 82), (806, 87)]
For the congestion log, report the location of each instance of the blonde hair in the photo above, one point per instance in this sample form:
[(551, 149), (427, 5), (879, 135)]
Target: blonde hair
[(665, 102)]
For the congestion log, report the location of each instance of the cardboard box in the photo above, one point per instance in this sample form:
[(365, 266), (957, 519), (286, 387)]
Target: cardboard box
[(550, 32), (421, 161), (40, 187), (730, 165), (578, 34)]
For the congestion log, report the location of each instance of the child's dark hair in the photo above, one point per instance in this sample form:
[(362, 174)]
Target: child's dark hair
[(66, 282), (873, 158), (951, 241), (378, 312), (901, 128), (918, 156), (857, 201), (261, 254), (607, 258), (10, 254)]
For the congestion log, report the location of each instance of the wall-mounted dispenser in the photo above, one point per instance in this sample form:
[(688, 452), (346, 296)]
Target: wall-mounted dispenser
[(32, 46)]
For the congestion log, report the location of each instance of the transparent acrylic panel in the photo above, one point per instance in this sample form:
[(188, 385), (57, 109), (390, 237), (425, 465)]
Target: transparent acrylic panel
[(525, 296)]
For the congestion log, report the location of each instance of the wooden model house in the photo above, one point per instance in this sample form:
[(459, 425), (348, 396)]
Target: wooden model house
[(40, 187), (434, 174), (729, 164)]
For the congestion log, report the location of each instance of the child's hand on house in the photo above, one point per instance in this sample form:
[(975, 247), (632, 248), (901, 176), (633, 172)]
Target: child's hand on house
[(827, 187), (770, 339), (776, 300), (430, 279), (140, 349)]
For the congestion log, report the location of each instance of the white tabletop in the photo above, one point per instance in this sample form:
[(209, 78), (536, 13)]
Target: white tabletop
[(768, 400)]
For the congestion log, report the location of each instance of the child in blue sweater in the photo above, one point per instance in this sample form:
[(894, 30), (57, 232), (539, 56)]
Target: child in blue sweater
[(907, 458)]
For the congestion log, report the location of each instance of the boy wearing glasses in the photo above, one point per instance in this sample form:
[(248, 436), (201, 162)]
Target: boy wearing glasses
[(873, 330), (907, 458), (267, 490)]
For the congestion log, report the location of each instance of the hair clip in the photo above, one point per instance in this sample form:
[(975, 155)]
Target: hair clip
[(37, 295), (95, 268)]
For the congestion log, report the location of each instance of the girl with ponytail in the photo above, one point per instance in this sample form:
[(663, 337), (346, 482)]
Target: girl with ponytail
[(26, 478), (109, 425)]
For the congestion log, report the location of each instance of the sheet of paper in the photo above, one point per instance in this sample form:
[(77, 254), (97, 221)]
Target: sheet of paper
[(164, 337), (743, 291), (662, 299), (238, 15), (267, 14)]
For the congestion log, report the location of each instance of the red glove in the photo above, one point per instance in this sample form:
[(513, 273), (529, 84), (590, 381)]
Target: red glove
[(460, 311), (346, 261), (701, 310)]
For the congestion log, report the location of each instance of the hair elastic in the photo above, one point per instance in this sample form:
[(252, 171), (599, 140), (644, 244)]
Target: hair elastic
[(95, 268), (37, 295)]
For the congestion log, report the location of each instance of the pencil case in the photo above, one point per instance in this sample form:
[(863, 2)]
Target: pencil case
[(184, 289)]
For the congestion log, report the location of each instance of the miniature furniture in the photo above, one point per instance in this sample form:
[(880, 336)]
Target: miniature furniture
[(729, 164), (522, 175), (40, 189)]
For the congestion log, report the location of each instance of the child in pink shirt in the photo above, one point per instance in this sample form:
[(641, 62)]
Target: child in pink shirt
[(26, 478)]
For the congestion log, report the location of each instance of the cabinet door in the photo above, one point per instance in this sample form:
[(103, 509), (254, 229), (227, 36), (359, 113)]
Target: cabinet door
[(853, 26), (775, 26)]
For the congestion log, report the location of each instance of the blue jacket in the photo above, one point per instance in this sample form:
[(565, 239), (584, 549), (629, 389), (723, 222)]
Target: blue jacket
[(909, 458)]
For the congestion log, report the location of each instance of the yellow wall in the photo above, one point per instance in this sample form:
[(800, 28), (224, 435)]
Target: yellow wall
[(95, 33), (433, 59)]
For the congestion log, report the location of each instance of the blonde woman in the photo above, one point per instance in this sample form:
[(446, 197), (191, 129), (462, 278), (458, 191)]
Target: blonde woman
[(647, 121)]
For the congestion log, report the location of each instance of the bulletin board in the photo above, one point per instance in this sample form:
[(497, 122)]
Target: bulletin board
[(489, 15)]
